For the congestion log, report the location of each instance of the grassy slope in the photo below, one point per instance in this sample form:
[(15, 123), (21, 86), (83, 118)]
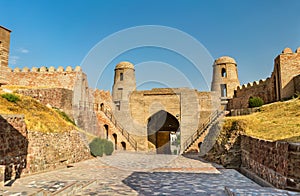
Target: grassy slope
[(276, 121), (37, 116)]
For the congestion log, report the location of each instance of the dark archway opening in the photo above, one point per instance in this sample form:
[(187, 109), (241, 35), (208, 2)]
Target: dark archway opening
[(116, 141), (160, 126), (123, 145), (102, 107), (199, 146), (224, 74), (106, 131)]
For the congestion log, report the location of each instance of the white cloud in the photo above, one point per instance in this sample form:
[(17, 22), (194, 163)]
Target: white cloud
[(23, 50), (13, 60)]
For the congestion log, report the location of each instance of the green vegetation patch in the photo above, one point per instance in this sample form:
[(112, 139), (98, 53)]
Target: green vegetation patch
[(11, 97), (99, 146), (255, 102)]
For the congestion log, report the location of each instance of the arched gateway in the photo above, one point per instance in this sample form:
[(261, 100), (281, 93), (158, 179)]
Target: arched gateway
[(159, 128)]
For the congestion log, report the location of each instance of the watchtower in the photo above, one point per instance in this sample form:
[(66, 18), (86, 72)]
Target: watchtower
[(225, 77), (124, 84)]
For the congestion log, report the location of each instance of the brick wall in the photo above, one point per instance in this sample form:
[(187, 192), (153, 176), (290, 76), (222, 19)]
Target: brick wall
[(276, 162)]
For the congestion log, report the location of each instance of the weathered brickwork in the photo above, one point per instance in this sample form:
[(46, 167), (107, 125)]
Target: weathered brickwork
[(24, 151), (47, 151), (13, 144), (54, 97), (283, 83), (44, 77), (276, 162)]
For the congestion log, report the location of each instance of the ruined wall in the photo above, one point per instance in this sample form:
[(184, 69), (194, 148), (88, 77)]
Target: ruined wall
[(55, 97), (276, 162)]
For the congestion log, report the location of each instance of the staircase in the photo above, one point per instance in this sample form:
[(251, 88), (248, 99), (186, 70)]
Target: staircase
[(201, 130), (126, 135)]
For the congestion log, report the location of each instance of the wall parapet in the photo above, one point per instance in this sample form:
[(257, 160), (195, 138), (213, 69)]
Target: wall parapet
[(43, 69)]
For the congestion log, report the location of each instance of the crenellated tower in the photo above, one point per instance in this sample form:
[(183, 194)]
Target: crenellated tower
[(225, 78)]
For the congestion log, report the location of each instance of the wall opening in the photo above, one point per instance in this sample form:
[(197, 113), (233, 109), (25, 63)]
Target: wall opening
[(159, 129), (118, 105), (121, 76), (102, 107), (106, 130), (123, 145), (116, 141), (199, 146), (224, 73), (223, 90)]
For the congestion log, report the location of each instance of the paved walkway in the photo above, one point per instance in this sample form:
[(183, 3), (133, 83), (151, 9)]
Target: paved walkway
[(126, 173)]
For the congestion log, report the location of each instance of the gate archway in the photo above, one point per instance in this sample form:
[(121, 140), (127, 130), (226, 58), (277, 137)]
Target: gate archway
[(160, 126)]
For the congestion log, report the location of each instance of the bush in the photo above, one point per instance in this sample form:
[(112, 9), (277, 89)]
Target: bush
[(108, 147), (98, 147), (10, 97), (255, 102)]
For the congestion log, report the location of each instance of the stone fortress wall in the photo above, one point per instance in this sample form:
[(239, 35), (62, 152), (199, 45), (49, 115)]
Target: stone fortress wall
[(283, 83), (24, 151), (66, 89), (276, 162)]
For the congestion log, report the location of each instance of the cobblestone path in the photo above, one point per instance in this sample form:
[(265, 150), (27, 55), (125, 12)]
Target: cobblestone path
[(126, 173)]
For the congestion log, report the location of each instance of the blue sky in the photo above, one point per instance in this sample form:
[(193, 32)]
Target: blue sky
[(61, 33)]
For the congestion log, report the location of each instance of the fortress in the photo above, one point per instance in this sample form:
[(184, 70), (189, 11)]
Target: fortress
[(149, 120)]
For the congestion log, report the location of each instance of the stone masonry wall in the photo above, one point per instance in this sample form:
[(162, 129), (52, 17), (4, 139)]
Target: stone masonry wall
[(297, 84), (13, 144), (263, 89), (47, 151), (276, 162), (55, 97), (24, 151), (43, 77)]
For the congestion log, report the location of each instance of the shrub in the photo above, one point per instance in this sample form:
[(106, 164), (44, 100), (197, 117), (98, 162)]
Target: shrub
[(99, 146), (96, 147), (108, 147), (255, 102), (10, 97)]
